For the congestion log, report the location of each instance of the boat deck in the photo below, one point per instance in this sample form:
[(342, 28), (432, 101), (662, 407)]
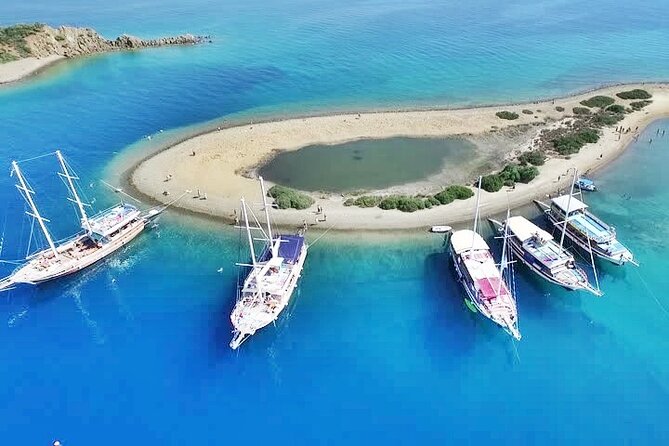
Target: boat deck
[(591, 227), (548, 253)]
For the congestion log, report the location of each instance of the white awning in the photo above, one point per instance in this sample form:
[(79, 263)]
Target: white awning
[(524, 229), (467, 239), (574, 204)]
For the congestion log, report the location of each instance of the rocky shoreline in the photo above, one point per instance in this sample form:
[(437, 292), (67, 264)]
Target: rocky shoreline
[(25, 49)]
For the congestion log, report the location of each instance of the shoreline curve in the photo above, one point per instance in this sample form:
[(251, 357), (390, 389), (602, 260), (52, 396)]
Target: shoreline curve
[(222, 153)]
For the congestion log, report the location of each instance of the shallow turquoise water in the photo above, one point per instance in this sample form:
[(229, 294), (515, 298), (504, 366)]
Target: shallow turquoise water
[(377, 345), (367, 164)]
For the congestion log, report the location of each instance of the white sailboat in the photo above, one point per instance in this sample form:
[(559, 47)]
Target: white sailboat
[(483, 281), (585, 230), (101, 235), (273, 276)]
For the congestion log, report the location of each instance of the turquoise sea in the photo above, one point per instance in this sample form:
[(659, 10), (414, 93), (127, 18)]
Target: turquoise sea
[(377, 346)]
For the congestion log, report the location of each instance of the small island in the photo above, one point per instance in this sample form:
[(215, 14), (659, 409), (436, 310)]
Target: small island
[(530, 157), (28, 48)]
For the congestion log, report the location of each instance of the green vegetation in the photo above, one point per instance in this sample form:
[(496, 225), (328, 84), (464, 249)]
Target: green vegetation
[(518, 174), (534, 157), (560, 109), (367, 201), (507, 115), (606, 119), (581, 111), (492, 182), (637, 93), (414, 203), (403, 203), (460, 192), (287, 198), (528, 112), (598, 101), (60, 38), (566, 145), (639, 105), (13, 38), (616, 108)]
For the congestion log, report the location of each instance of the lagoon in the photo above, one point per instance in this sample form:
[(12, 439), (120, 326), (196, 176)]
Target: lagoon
[(367, 164)]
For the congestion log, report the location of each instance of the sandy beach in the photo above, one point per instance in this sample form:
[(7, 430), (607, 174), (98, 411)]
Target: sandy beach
[(23, 68), (222, 156)]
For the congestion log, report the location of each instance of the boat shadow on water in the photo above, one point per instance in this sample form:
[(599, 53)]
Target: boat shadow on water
[(449, 322)]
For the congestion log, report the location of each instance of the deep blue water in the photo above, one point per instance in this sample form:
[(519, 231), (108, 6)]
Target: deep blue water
[(377, 345)]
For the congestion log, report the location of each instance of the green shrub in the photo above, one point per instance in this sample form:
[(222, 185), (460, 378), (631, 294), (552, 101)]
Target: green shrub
[(637, 93), (568, 144), (389, 202), (534, 157), (598, 101), (588, 136), (527, 173), (433, 201), (580, 111), (492, 183), (410, 204), (459, 192), (528, 112), (560, 109), (616, 108), (444, 197), (607, 119), (639, 105), (507, 115), (367, 201), (287, 198)]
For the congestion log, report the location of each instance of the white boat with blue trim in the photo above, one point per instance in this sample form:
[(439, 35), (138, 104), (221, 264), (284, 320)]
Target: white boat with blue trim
[(271, 278), (586, 230), (544, 256)]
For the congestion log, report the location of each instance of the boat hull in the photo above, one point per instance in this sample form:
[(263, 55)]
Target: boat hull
[(471, 301), (30, 274), (534, 265), (591, 245), (241, 333)]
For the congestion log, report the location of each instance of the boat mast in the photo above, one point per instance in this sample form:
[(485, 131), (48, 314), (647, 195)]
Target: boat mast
[(248, 232), (266, 209), (476, 213), (566, 213), (27, 192), (66, 174)]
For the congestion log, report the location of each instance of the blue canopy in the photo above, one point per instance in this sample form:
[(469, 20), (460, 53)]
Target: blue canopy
[(289, 249)]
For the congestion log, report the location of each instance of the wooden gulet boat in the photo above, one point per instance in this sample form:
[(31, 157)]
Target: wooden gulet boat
[(103, 234), (483, 281), (585, 230)]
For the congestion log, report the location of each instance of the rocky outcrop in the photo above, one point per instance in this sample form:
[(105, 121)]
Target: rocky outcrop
[(71, 42)]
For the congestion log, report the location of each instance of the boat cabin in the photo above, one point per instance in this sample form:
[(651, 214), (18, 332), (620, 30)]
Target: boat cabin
[(107, 223)]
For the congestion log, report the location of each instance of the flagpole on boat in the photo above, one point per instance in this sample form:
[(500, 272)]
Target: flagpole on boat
[(35, 213)]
